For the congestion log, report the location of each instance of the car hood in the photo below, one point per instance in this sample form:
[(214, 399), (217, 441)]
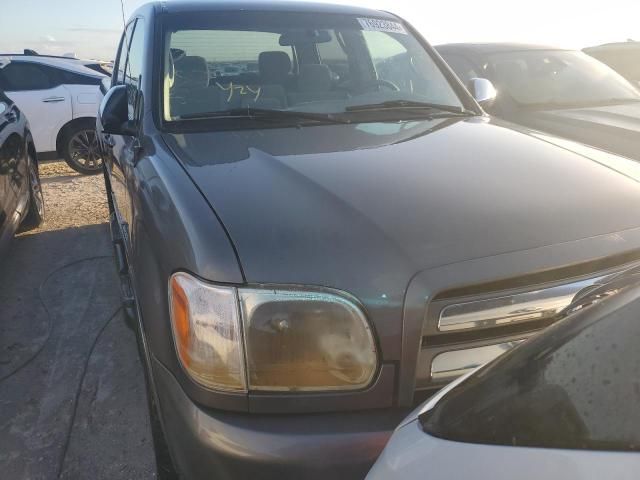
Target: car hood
[(363, 208), (615, 128)]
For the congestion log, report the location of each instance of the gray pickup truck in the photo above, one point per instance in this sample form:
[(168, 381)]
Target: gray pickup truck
[(311, 248)]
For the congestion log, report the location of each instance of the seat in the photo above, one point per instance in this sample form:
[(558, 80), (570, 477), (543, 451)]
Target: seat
[(314, 85), (275, 76), (274, 68), (191, 92)]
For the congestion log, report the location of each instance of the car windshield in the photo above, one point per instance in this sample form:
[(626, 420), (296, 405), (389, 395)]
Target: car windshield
[(559, 77), (217, 66)]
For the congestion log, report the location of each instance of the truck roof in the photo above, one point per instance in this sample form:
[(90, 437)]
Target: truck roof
[(278, 5)]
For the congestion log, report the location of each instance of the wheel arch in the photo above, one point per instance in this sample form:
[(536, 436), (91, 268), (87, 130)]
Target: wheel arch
[(69, 126), (31, 149)]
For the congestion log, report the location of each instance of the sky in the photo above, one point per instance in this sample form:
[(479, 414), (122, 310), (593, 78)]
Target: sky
[(91, 28)]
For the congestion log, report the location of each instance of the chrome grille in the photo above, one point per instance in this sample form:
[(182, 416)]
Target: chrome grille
[(527, 306), (460, 334)]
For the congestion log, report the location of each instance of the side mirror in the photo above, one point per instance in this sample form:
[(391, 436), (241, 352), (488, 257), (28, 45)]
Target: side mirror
[(114, 113), (483, 91)]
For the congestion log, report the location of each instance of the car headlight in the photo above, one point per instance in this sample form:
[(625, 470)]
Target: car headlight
[(244, 339)]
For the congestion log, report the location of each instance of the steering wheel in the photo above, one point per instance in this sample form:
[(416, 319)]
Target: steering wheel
[(348, 85), (379, 82)]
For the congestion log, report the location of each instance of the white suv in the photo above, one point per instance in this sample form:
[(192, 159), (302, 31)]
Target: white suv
[(60, 96)]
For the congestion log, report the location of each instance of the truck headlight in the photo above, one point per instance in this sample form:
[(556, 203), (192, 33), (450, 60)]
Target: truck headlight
[(270, 340)]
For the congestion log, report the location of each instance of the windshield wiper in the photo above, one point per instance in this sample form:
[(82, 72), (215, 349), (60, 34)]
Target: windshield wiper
[(410, 105), (265, 114)]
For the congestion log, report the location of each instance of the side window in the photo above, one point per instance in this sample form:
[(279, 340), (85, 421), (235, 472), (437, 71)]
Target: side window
[(19, 76), (463, 68), (123, 52), (72, 78), (133, 70)]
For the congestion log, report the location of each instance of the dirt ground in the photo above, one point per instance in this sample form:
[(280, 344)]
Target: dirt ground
[(72, 395), (72, 200)]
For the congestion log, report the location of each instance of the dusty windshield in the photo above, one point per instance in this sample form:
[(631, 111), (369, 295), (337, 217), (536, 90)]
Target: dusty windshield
[(558, 77), (314, 63)]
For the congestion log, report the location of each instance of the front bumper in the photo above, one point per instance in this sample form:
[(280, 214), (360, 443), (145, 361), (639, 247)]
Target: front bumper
[(214, 444)]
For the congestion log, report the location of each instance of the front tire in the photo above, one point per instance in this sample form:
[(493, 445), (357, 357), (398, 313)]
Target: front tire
[(35, 214), (81, 150)]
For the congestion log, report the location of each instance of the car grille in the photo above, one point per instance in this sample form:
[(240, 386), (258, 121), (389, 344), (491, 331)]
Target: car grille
[(462, 333)]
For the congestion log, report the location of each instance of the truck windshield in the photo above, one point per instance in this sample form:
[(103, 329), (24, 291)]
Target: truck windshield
[(217, 66), (559, 78)]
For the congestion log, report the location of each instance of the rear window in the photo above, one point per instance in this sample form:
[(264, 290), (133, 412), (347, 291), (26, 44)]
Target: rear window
[(227, 51)]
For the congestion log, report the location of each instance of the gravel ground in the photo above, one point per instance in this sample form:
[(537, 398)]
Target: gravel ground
[(72, 393), (72, 200)]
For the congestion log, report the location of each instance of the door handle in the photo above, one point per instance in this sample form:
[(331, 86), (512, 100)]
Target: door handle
[(53, 99)]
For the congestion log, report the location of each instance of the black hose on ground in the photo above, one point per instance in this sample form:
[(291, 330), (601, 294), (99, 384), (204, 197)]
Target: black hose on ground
[(48, 313)]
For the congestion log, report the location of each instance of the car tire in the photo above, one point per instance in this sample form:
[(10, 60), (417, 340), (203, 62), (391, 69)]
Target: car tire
[(35, 213), (81, 150)]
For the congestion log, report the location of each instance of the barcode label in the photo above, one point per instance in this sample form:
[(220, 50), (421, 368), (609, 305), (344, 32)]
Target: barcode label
[(377, 25)]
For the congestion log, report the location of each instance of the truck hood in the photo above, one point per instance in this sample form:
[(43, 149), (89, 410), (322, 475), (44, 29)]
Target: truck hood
[(365, 207), (615, 128)]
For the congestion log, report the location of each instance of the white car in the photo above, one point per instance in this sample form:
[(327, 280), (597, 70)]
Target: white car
[(60, 96), (564, 405)]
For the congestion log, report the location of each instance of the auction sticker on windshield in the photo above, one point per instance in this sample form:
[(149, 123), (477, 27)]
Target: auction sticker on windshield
[(377, 25)]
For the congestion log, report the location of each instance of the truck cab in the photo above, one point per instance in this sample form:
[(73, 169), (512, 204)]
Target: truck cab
[(311, 248)]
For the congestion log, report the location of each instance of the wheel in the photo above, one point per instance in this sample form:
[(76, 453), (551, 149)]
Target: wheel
[(81, 150), (35, 214)]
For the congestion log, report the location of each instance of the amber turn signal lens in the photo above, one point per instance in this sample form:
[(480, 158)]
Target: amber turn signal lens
[(180, 316), (207, 333)]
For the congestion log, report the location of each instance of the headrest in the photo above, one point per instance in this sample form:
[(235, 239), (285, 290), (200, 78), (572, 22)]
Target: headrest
[(314, 78), (274, 66), (191, 71)]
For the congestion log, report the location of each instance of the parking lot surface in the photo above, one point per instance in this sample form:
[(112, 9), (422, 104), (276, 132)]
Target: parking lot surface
[(72, 394)]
